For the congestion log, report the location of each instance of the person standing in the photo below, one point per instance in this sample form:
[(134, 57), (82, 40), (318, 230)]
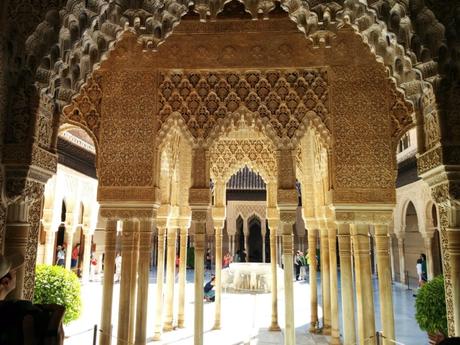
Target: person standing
[(117, 268), (75, 255), (297, 264), (243, 255), (424, 271), (208, 259), (60, 256)]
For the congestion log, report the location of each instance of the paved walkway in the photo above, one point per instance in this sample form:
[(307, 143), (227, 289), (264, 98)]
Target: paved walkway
[(245, 318)]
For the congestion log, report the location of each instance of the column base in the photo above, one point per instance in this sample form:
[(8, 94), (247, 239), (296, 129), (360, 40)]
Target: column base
[(156, 337), (334, 341), (216, 327), (326, 330), (314, 328), (274, 327), (168, 328), (180, 324)]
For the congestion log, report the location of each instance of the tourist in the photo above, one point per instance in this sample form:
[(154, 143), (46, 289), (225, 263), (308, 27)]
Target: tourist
[(75, 255), (209, 292), (424, 272), (297, 264), (227, 260), (8, 267), (208, 259), (237, 256), (92, 268), (117, 268), (60, 256), (418, 267), (243, 255)]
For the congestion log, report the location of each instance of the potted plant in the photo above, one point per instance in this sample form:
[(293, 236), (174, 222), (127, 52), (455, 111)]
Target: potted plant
[(56, 285), (430, 309)]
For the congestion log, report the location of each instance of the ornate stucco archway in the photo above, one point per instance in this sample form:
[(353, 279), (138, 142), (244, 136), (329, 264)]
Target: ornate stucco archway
[(119, 110)]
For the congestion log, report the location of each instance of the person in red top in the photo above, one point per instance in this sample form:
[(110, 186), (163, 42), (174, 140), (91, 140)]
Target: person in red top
[(227, 260), (75, 255)]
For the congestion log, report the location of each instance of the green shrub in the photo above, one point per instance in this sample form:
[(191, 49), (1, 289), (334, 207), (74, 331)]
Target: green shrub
[(191, 257), (430, 307), (55, 284)]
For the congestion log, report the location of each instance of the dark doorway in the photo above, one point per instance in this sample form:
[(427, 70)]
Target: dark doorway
[(255, 240)]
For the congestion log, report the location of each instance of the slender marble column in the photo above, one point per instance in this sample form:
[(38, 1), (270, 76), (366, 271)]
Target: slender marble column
[(392, 259), (16, 236), (286, 222), (325, 276), (182, 277), (170, 277), (246, 246), (274, 326), (69, 231), (335, 331), (263, 246), (130, 240), (385, 288), (199, 282), (109, 271), (133, 284), (218, 281), (346, 282), (428, 241), (49, 247), (145, 248), (402, 264), (86, 256), (160, 282), (364, 291), (313, 284)]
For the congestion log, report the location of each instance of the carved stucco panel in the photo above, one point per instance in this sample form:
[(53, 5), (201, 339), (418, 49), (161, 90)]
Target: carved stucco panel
[(363, 155), (127, 135)]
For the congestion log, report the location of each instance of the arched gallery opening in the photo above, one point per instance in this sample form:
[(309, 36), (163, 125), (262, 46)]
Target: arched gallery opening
[(168, 138)]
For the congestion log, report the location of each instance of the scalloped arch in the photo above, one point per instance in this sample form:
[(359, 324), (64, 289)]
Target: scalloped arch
[(70, 52)]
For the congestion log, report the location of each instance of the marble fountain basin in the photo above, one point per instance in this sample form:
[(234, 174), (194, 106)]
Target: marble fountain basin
[(250, 277)]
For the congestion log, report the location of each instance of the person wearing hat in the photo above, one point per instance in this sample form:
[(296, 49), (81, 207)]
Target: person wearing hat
[(21, 321), (8, 267)]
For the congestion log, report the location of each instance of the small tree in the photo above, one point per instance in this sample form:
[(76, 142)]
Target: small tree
[(430, 307), (55, 284)]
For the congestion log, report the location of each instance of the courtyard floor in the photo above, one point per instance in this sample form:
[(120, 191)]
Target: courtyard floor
[(245, 317)]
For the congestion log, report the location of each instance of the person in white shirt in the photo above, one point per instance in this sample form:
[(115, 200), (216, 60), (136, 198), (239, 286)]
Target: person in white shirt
[(60, 256), (117, 268)]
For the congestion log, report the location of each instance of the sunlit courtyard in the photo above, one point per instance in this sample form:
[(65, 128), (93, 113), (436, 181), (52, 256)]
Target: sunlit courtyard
[(245, 317)]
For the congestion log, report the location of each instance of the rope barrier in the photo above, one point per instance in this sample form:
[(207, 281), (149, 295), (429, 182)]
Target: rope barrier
[(80, 333), (391, 340)]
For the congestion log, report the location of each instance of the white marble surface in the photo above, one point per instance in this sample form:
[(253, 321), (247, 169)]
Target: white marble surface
[(245, 317)]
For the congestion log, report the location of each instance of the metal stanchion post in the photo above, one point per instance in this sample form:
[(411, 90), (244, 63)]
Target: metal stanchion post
[(95, 334)]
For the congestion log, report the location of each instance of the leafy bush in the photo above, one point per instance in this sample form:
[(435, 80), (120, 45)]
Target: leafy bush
[(55, 284), (430, 307), (191, 257)]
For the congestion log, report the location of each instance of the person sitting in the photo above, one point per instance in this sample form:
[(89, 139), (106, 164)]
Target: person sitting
[(209, 292)]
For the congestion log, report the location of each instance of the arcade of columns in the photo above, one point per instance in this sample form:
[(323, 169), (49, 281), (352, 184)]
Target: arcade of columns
[(325, 107)]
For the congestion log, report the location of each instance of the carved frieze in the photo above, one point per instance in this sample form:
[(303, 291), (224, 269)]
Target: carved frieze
[(284, 100)]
